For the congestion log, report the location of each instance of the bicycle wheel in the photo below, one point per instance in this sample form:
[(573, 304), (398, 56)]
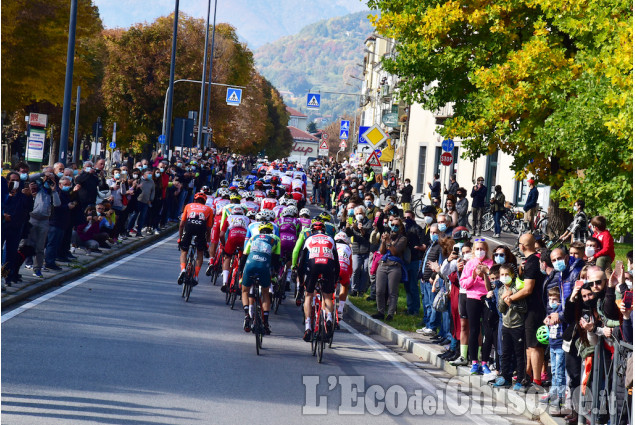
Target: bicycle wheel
[(321, 338), (228, 296), (257, 325), (488, 221), (188, 290), (234, 290), (314, 342), (417, 207)]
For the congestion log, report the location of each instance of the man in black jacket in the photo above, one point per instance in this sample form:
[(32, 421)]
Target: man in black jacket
[(479, 193), (359, 232), (406, 195), (88, 183), (429, 320), (435, 187), (415, 236)]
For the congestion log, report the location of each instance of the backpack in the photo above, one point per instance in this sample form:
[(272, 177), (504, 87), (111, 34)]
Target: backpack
[(441, 299)]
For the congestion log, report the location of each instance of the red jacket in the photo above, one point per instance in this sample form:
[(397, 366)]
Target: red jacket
[(608, 247)]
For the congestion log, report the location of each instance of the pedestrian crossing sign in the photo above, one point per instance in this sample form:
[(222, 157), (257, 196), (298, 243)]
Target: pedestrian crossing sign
[(313, 101), (344, 135), (234, 96)]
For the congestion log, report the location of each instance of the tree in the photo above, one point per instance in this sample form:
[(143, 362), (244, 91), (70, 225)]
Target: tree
[(547, 81), (311, 127)]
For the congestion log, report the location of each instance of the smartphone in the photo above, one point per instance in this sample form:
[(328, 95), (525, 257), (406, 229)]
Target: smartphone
[(587, 315), (14, 185), (579, 283), (627, 299), (456, 250)]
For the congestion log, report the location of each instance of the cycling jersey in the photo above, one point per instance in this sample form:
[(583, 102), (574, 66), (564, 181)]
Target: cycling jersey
[(322, 259), (227, 211), (259, 195), (235, 230), (269, 204), (289, 228), (210, 202), (260, 250), (278, 209), (254, 229), (305, 222), (220, 204), (345, 256), (305, 234), (298, 196), (198, 219), (251, 206)]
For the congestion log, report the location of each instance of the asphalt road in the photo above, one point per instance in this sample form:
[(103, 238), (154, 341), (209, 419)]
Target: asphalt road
[(120, 346)]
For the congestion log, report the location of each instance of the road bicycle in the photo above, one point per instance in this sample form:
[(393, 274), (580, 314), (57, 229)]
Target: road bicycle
[(234, 290), (215, 267), (417, 206), (257, 327), (190, 265), (319, 335)]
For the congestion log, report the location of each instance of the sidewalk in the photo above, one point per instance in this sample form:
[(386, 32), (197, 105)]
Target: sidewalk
[(428, 352), (32, 285)]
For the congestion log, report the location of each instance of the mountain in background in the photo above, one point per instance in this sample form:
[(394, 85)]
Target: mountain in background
[(322, 56), (261, 22)]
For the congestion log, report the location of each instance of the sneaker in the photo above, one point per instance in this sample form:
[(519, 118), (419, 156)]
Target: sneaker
[(519, 387), (428, 332), (538, 389), (476, 369), (45, 269), (329, 328), (247, 324), (454, 356), (378, 315), (267, 329), (29, 267), (208, 272), (389, 317), (223, 288), (38, 273), (181, 277), (460, 361), (485, 370), (157, 232), (546, 398), (307, 335), (53, 267), (502, 383)]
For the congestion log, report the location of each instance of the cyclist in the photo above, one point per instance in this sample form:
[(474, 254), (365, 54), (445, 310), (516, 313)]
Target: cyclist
[(223, 185), (264, 216), (249, 203), (285, 180), (234, 229), (262, 253), (299, 197), (345, 256), (259, 193), (196, 222), (305, 218), (219, 205), (210, 199), (271, 201), (320, 253), (289, 230)]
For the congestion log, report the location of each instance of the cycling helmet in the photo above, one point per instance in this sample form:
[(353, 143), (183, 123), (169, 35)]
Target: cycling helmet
[(341, 237), (317, 226), (292, 203), (289, 173), (269, 215), (237, 210), (224, 183), (542, 335), (249, 196), (260, 216), (241, 185), (251, 214), (272, 193), (460, 233), (200, 195), (305, 211), (324, 217), (289, 212), (233, 189), (275, 180), (258, 185), (266, 228), (235, 197)]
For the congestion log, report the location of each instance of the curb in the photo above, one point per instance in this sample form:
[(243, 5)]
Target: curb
[(428, 353), (60, 278)]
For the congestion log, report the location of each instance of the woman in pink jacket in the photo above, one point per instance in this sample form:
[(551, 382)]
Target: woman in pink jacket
[(475, 280)]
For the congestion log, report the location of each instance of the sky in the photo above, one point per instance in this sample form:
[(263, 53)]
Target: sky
[(257, 21)]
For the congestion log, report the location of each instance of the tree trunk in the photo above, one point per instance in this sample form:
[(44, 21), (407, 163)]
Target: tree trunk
[(559, 219)]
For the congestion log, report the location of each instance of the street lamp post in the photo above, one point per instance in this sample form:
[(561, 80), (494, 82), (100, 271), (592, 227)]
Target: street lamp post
[(211, 67), (75, 132), (200, 106), (170, 91), (68, 83)]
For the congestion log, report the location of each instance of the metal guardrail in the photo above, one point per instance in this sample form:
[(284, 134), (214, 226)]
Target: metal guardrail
[(607, 400)]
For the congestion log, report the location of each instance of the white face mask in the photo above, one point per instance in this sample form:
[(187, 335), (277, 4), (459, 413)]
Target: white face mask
[(359, 217), (589, 251), (629, 284), (480, 254), (467, 256), (506, 280), (428, 220)]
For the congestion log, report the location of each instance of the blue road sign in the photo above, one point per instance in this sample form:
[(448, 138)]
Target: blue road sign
[(345, 125), (344, 134), (447, 145), (234, 96), (162, 139), (313, 101), (112, 145), (378, 152), (362, 130)]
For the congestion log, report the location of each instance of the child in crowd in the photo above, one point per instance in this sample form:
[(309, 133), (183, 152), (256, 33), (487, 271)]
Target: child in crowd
[(513, 332), (556, 395)]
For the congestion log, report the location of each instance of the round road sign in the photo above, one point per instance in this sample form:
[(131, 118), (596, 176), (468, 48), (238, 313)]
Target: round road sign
[(325, 136), (446, 158)]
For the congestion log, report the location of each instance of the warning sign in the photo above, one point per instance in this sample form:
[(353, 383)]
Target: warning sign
[(323, 149), (373, 161)]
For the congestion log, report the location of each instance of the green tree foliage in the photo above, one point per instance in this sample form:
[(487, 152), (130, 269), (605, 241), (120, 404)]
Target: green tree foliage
[(547, 81)]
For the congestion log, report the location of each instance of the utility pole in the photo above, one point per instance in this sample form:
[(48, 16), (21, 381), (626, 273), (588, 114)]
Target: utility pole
[(75, 144), (68, 83), (168, 128), (201, 103), (211, 67)]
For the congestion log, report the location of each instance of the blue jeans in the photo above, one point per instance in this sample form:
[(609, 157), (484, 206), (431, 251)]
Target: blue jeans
[(143, 215), (55, 236), (359, 279), (497, 221), (181, 202), (446, 324), (558, 372), (412, 287), (426, 300)]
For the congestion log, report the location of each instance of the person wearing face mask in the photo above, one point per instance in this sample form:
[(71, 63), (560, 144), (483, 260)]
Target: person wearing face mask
[(578, 230), (155, 216), (88, 183), (406, 195), (513, 330), (442, 224), (371, 208), (462, 206), (144, 202), (568, 270), (391, 207), (498, 208), (414, 235), (431, 257), (59, 222), (479, 193), (556, 395), (391, 270), (475, 280), (606, 255), (359, 231), (22, 169)]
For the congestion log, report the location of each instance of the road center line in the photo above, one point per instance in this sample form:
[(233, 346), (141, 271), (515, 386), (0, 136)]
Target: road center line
[(11, 314)]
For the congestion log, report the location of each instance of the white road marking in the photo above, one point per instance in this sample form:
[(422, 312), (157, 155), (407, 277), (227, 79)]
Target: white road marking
[(11, 314)]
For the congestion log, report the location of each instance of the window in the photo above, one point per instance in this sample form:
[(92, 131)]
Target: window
[(421, 172)]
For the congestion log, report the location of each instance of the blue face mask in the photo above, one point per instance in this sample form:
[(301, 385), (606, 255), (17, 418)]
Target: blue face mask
[(117, 175), (560, 265), (75, 172), (434, 237), (500, 259), (24, 176), (443, 227), (394, 228), (368, 204), (143, 167), (66, 188), (553, 305), (60, 174)]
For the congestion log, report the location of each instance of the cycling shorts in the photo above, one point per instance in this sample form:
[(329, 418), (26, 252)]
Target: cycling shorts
[(287, 243), (235, 239), (196, 231), (329, 272), (215, 237), (256, 269), (463, 306), (345, 276)]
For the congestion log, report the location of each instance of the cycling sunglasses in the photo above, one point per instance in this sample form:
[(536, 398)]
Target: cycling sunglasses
[(479, 240)]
